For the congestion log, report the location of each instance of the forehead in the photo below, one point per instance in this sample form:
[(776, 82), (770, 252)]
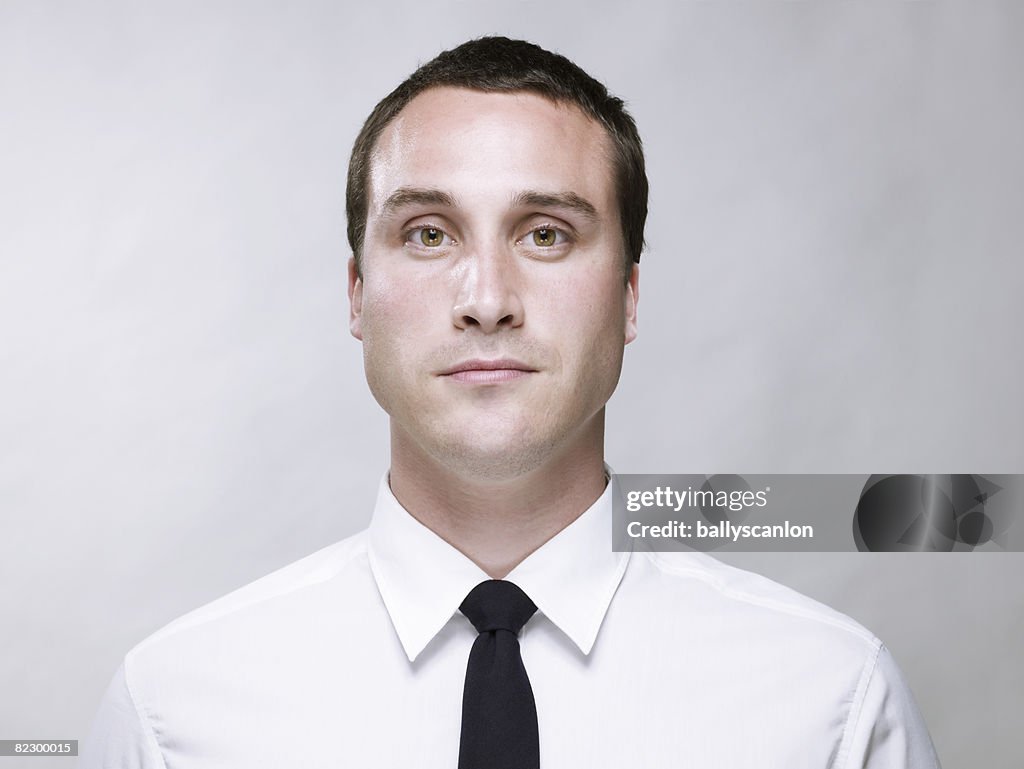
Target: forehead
[(482, 145)]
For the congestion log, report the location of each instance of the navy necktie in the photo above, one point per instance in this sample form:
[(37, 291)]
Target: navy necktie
[(499, 715)]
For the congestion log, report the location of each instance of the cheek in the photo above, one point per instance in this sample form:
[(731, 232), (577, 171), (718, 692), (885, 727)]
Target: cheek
[(584, 320), (401, 331), (589, 306), (386, 323), (389, 312)]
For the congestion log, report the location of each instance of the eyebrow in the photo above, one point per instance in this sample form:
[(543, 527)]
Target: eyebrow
[(569, 200), (416, 196)]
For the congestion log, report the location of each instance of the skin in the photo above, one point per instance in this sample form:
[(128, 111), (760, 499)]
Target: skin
[(465, 265)]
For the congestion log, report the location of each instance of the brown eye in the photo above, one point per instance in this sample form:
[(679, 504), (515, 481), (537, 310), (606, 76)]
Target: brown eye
[(545, 237), (431, 237)]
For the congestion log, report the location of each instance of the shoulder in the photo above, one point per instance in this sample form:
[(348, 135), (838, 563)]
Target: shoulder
[(238, 654), (262, 601), (757, 604), (749, 638)]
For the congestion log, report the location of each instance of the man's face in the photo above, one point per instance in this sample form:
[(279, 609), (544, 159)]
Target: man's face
[(492, 307)]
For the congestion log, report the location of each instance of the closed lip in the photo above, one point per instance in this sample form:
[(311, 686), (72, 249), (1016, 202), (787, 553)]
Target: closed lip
[(501, 364)]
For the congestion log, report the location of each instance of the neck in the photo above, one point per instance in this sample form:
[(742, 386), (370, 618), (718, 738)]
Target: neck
[(498, 522)]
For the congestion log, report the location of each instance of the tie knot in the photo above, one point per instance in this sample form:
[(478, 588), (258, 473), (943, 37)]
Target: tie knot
[(497, 605)]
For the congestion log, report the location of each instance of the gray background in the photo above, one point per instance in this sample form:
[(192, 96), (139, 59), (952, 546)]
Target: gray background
[(833, 285)]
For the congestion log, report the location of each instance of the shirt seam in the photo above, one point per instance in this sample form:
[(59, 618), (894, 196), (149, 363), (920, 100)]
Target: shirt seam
[(173, 629), (170, 631), (857, 707), (767, 603), (143, 715)]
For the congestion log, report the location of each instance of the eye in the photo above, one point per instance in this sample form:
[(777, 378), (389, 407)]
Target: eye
[(548, 237), (545, 237), (431, 236), (428, 237)]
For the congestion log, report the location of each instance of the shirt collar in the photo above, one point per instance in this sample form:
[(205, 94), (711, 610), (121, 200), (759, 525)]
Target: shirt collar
[(423, 580)]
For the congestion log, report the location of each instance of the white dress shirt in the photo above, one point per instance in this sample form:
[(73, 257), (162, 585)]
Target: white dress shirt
[(356, 657)]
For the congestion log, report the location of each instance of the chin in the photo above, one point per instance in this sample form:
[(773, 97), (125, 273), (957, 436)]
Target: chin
[(492, 458)]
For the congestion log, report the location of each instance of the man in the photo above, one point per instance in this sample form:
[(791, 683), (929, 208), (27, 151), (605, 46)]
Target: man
[(496, 205)]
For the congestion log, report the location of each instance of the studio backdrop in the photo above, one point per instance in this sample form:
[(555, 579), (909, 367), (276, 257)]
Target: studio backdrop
[(832, 284)]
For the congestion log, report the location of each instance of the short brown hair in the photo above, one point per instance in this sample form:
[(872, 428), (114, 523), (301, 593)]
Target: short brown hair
[(500, 64)]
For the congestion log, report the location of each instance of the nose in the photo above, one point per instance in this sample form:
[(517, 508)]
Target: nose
[(489, 296)]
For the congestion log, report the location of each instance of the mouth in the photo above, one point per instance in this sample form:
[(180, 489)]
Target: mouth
[(488, 371)]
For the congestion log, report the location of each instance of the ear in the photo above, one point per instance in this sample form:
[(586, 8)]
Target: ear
[(355, 300), (631, 299)]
